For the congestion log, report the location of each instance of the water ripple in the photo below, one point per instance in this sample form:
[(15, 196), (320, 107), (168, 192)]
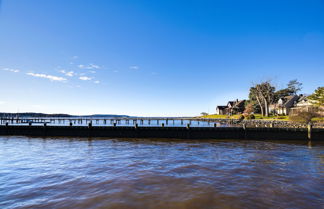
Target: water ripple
[(138, 173)]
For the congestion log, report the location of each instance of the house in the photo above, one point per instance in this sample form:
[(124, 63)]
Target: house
[(221, 110), (304, 105), (284, 105), (232, 107), (238, 107)]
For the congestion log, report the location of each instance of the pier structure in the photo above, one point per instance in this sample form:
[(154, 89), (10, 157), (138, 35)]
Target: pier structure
[(141, 121)]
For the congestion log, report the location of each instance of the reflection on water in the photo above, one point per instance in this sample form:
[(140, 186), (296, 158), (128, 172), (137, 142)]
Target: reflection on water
[(73, 173)]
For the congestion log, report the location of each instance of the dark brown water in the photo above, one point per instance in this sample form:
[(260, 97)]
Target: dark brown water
[(75, 173)]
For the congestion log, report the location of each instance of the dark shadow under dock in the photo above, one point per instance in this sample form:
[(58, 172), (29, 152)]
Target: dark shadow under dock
[(167, 132)]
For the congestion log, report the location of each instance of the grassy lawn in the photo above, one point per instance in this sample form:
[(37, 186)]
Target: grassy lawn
[(257, 116), (221, 116), (321, 119)]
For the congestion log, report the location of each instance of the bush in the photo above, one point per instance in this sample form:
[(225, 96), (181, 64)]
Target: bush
[(249, 117), (303, 116)]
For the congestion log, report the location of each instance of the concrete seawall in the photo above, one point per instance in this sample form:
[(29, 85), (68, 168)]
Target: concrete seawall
[(166, 132)]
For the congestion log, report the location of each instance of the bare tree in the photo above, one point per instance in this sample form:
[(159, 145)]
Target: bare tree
[(264, 95)]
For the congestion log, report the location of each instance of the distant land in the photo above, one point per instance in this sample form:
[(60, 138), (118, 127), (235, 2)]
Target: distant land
[(33, 114)]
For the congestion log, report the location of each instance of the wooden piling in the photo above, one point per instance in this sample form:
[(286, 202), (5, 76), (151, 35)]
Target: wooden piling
[(309, 131)]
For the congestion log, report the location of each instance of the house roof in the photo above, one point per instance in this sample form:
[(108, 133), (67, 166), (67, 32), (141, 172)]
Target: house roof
[(221, 107), (231, 103), (240, 103), (287, 99), (302, 98)]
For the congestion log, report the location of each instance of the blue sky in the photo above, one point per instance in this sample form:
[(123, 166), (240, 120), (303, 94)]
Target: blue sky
[(153, 58)]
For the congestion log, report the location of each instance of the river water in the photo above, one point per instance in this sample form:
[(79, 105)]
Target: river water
[(138, 173)]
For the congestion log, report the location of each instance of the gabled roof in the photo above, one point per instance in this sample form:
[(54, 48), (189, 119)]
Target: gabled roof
[(231, 103), (240, 103), (287, 99), (302, 98), (221, 107)]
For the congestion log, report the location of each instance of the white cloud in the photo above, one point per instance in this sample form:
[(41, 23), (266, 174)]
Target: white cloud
[(50, 77), (68, 73), (2, 102), (134, 67), (89, 67), (97, 82), (85, 78), (11, 70), (92, 71)]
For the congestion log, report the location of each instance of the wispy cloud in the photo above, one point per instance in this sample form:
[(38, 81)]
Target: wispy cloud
[(89, 67), (11, 70), (68, 73), (49, 77), (134, 67), (96, 82), (73, 58), (85, 78)]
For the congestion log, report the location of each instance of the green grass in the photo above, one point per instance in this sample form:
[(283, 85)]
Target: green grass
[(215, 116), (221, 116), (260, 117), (257, 116), (320, 119)]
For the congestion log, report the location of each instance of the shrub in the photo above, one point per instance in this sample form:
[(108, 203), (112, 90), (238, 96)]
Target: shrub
[(245, 115), (241, 117), (303, 116), (249, 117), (249, 109)]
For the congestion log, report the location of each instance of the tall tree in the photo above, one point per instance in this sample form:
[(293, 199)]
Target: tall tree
[(263, 93), (203, 114), (294, 86), (317, 98), (255, 100)]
